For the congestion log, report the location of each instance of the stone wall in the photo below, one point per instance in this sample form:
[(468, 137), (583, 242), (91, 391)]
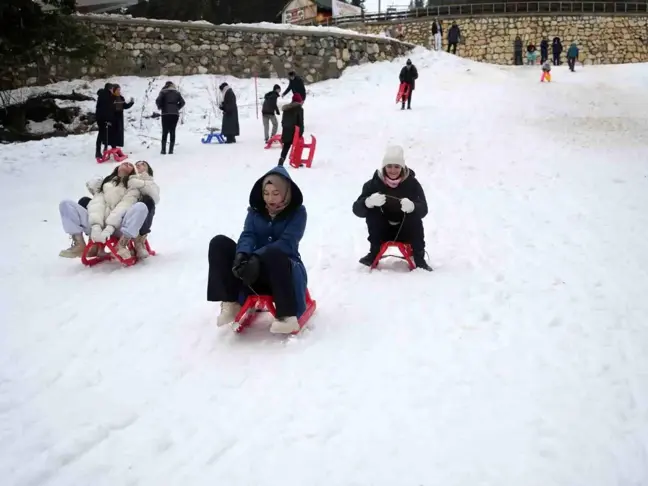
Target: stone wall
[(602, 39), (150, 48)]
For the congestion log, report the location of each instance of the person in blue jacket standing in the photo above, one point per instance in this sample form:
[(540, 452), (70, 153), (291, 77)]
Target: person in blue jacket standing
[(572, 56), (266, 258)]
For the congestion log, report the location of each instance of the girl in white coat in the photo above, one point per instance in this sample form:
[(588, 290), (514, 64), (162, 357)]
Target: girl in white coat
[(114, 209), (151, 197)]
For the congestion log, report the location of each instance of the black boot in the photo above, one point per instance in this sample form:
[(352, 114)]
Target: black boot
[(163, 151), (369, 258), (171, 149), (419, 261)]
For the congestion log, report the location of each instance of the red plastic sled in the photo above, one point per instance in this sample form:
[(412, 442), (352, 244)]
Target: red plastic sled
[(111, 245), (115, 153), (404, 248), (403, 92), (255, 303), (273, 139), (298, 146)]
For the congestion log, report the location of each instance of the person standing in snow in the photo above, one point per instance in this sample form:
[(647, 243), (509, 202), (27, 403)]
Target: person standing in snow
[(114, 209), (169, 102), (556, 50), (296, 85), (572, 56), (408, 75), (269, 112), (531, 54), (437, 32), (544, 50), (266, 258), (293, 117), (230, 127), (454, 35), (393, 204), (104, 116), (116, 128), (517, 51)]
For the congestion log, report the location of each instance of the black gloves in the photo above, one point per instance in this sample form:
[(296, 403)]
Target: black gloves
[(246, 268)]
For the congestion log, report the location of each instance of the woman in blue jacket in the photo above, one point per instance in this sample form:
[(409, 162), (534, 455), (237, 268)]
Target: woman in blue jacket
[(266, 258)]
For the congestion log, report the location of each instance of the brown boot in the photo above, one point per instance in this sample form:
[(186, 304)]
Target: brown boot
[(76, 248), (140, 247), (122, 248)]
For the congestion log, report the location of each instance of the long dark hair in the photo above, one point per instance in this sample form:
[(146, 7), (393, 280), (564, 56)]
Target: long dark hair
[(115, 179)]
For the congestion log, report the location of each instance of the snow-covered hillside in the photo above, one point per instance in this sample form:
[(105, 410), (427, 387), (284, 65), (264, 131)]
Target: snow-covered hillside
[(521, 360)]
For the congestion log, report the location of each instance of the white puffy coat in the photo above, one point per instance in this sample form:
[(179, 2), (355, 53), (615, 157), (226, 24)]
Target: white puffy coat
[(149, 187), (108, 207)]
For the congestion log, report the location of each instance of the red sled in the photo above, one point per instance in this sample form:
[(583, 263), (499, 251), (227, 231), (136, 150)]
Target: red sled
[(274, 139), (111, 245), (298, 146), (265, 303), (405, 250), (403, 92), (115, 153)]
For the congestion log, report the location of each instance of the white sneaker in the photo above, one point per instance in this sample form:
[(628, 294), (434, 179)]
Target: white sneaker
[(285, 325), (228, 313)]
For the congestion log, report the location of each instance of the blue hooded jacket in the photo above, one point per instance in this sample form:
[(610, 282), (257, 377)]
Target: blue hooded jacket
[(284, 232)]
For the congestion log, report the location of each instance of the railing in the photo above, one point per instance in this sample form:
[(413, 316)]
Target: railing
[(535, 8)]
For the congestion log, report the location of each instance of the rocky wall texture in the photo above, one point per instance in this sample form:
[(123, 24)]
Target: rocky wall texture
[(602, 39), (150, 48)]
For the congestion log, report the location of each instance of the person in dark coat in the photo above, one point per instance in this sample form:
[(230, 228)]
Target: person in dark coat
[(269, 110), (116, 128), (556, 50), (454, 34), (169, 102), (296, 85), (266, 258), (393, 205), (408, 75), (230, 127), (103, 115), (572, 56), (293, 117), (517, 51), (544, 50)]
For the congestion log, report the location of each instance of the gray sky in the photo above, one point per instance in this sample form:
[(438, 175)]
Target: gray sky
[(372, 5)]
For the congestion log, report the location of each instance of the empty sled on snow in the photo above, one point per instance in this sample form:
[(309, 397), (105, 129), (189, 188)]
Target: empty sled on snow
[(115, 153), (213, 133)]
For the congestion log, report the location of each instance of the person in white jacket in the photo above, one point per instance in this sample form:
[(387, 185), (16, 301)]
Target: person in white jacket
[(114, 210), (151, 197)]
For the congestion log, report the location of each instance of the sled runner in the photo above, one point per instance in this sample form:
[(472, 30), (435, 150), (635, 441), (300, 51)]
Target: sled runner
[(115, 153), (297, 150), (213, 133), (111, 246), (273, 139), (404, 248), (261, 303), (403, 92)]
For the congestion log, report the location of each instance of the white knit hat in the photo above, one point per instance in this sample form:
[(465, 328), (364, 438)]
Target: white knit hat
[(394, 155)]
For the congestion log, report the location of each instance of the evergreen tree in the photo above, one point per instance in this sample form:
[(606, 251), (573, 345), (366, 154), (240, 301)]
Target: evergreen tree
[(30, 32)]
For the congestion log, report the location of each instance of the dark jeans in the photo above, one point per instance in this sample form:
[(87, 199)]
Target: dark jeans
[(381, 231), (452, 45), (518, 58), (148, 222), (543, 57), (409, 97), (275, 277), (556, 59), (571, 61), (102, 138), (169, 123)]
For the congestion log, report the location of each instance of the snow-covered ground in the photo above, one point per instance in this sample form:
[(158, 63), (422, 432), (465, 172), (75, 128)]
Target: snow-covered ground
[(522, 360)]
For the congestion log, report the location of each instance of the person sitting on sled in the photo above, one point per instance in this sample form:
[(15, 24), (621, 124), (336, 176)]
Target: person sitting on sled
[(113, 210), (546, 72), (266, 259), (393, 204)]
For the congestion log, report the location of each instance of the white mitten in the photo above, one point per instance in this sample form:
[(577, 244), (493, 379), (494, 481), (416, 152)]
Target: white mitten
[(135, 183), (376, 199), (407, 206), (107, 233), (95, 234)]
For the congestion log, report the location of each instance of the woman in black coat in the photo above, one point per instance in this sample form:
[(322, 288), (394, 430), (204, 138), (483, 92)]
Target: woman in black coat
[(293, 117), (393, 204), (230, 127), (116, 127)]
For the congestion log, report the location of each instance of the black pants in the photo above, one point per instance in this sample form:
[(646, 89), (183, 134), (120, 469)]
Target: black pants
[(169, 124), (409, 97), (452, 45), (274, 279), (556, 59), (148, 222), (543, 57), (571, 61), (518, 58), (287, 137), (381, 231), (102, 138)]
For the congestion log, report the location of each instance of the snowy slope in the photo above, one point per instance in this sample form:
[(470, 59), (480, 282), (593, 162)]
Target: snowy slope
[(522, 360)]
